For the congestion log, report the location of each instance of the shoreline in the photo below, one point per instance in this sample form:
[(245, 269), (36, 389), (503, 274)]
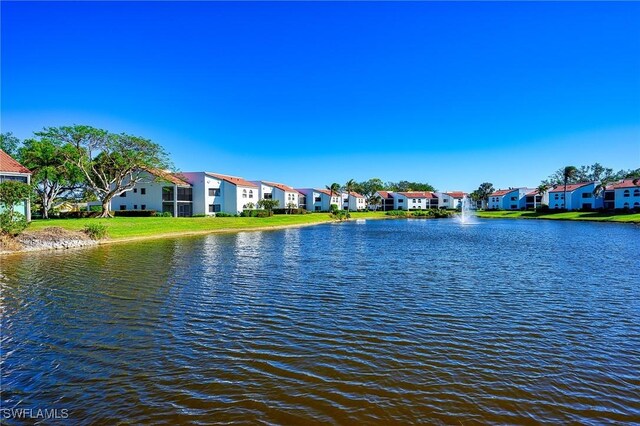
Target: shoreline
[(568, 217), (179, 234)]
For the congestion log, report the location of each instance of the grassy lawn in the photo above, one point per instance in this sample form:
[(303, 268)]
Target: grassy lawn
[(594, 216), (131, 227)]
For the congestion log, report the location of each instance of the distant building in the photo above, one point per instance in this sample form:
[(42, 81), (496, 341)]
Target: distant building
[(285, 195), (158, 190), (533, 199), (579, 196), (451, 200), (214, 193), (508, 199), (320, 200), (387, 200), (623, 195), (10, 169), (415, 200), (353, 201)]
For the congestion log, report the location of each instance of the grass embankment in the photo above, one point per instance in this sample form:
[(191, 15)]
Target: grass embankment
[(589, 216), (140, 227)]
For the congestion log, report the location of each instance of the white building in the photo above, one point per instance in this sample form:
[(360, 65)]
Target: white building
[(353, 201), (579, 196), (533, 199), (286, 195), (508, 199), (213, 193), (158, 190), (450, 200), (625, 194), (320, 200), (415, 200), (10, 169), (387, 198)]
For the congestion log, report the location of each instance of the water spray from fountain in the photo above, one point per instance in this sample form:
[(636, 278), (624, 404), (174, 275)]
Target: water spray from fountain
[(466, 216)]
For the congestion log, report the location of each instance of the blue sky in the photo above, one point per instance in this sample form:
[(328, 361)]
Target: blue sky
[(309, 93)]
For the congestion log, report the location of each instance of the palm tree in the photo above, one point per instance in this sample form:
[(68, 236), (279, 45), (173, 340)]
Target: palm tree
[(542, 189), (349, 187), (600, 189), (567, 174), (375, 201), (333, 189)]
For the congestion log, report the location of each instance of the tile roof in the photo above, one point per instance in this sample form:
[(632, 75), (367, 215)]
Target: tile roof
[(238, 181), (625, 183), (501, 192), (355, 194), (327, 192), (174, 178), (418, 194), (280, 186), (570, 188), (8, 164), (385, 194), (456, 194)]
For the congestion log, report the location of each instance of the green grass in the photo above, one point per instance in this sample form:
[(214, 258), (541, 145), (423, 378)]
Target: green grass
[(592, 216), (134, 227)]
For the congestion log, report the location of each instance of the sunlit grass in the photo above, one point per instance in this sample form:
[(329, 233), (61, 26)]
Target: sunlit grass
[(132, 227), (592, 216)]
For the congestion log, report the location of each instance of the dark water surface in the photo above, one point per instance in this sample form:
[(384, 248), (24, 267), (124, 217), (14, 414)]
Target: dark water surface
[(355, 323)]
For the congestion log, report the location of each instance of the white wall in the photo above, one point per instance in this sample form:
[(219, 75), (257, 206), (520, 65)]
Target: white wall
[(135, 200)]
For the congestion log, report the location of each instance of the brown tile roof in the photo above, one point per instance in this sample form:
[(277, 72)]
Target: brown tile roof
[(456, 194), (238, 181), (327, 192), (534, 192), (385, 194), (501, 192), (626, 183), (8, 164), (280, 186), (355, 194), (418, 194), (174, 178), (570, 188)]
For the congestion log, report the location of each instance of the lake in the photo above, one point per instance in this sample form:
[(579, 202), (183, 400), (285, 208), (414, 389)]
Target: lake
[(383, 321)]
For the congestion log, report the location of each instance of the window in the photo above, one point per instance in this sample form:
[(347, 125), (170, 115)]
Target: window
[(250, 193), (626, 193), (318, 199), (586, 195), (636, 193), (143, 207), (400, 200), (555, 196), (123, 207), (244, 193), (143, 191), (514, 198), (214, 192), (414, 201), (213, 208), (124, 194), (135, 190), (135, 207), (636, 205), (626, 205)]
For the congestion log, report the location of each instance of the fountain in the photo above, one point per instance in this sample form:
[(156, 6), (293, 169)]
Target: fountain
[(466, 216)]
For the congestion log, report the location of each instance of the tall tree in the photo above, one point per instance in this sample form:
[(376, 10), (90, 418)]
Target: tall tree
[(405, 185), (334, 189), (52, 176), (568, 174), (542, 189), (9, 143), (349, 187), (110, 163), (483, 192), (369, 188)]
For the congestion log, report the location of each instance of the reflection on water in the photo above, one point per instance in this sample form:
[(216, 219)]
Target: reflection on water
[(387, 322)]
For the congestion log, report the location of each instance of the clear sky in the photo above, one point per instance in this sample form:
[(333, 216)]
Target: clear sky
[(309, 93)]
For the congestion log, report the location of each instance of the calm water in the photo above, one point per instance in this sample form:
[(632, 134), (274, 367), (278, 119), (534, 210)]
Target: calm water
[(383, 322)]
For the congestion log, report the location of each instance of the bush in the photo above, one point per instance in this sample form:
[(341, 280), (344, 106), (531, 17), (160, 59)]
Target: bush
[(399, 213), (254, 213), (95, 231), (223, 214), (334, 209), (263, 213), (12, 223), (135, 213), (167, 214), (289, 211), (543, 208)]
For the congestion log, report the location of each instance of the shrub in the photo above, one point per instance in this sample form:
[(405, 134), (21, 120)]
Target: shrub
[(289, 211), (543, 208), (135, 213), (399, 213), (167, 214), (333, 209), (254, 213), (223, 214), (95, 231), (12, 223)]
